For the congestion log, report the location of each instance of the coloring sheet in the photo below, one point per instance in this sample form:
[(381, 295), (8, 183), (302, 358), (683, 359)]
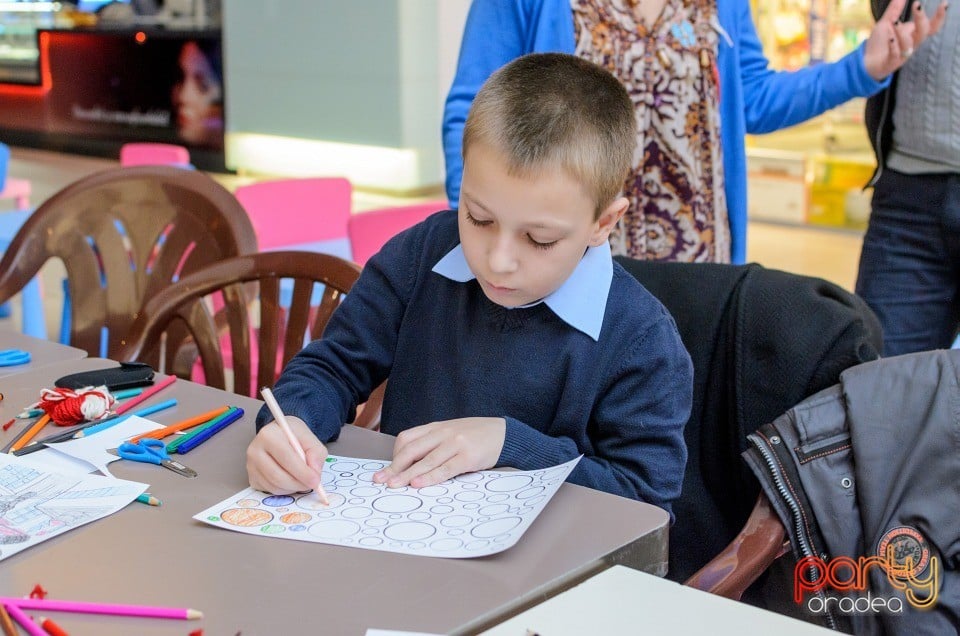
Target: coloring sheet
[(36, 504), (471, 515)]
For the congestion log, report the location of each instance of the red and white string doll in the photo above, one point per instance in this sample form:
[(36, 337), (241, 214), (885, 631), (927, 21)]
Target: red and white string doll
[(67, 407)]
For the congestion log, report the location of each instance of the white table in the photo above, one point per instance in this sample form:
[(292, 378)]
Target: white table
[(621, 600)]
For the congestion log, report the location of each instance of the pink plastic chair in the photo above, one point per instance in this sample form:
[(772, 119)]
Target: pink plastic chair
[(154, 154), (10, 188), (300, 214), (368, 231), (19, 191), (308, 214)]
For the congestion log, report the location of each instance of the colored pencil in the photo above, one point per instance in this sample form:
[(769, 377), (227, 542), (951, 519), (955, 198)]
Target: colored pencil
[(160, 433), (172, 446), (25, 621), (285, 427), (52, 628), (6, 427), (147, 394), (75, 431), (188, 445), (31, 433), (149, 499), (116, 419), (16, 438), (123, 394), (6, 622), (111, 609)]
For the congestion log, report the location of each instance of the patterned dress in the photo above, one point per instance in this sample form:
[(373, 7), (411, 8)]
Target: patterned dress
[(677, 210)]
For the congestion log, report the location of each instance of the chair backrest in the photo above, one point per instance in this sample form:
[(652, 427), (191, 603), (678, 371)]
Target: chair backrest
[(369, 230), (153, 154), (262, 329), (301, 214), (123, 235), (761, 340)]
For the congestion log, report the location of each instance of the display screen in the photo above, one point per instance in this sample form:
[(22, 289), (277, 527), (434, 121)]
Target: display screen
[(136, 86)]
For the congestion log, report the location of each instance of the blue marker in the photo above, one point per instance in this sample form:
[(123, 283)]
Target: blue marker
[(96, 428), (203, 436)]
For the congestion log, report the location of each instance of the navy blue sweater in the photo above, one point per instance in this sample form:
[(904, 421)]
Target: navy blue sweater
[(449, 352)]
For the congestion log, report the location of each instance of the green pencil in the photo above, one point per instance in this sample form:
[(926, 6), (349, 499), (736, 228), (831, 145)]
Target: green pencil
[(149, 499)]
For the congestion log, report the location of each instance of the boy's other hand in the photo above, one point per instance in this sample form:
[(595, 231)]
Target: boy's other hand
[(432, 453), (274, 466)]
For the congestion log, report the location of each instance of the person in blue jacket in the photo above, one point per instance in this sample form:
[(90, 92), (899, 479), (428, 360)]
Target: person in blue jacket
[(699, 80)]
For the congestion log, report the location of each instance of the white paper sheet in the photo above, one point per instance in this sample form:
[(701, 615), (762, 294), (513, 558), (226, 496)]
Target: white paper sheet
[(471, 515), (92, 450), (36, 504)]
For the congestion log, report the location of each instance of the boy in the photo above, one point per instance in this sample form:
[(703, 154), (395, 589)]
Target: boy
[(509, 335)]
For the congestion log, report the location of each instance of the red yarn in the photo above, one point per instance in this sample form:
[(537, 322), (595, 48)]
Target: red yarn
[(65, 406)]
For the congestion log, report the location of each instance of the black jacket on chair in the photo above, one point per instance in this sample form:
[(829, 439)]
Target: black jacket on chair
[(870, 467), (761, 340)]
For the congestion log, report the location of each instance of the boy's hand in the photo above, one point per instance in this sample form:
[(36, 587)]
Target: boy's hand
[(274, 466), (892, 42), (432, 453)]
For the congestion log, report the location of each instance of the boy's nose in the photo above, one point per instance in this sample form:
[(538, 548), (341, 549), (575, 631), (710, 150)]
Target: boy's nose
[(502, 256)]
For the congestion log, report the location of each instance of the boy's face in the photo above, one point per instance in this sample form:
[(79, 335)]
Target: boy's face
[(524, 236)]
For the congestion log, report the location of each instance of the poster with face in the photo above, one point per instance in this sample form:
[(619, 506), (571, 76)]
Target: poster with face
[(134, 86)]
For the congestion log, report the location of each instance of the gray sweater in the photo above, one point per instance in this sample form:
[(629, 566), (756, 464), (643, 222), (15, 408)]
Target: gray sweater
[(926, 120)]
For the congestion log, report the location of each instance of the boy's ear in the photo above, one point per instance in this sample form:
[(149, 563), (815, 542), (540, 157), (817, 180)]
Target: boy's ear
[(608, 220)]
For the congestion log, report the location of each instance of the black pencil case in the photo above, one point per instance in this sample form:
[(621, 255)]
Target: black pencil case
[(127, 376)]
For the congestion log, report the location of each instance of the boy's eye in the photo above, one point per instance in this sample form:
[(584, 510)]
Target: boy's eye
[(540, 246), (477, 221)]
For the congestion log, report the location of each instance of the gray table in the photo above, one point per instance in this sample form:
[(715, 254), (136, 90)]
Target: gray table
[(253, 585), (42, 353)]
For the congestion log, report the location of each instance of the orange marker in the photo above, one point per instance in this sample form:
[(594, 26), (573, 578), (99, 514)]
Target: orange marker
[(52, 628), (160, 433)]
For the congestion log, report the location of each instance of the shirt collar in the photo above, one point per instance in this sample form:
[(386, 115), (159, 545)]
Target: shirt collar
[(580, 301)]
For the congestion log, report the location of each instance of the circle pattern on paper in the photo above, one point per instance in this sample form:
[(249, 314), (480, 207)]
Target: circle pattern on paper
[(396, 503), (510, 483), (468, 515), (334, 528), (246, 517)]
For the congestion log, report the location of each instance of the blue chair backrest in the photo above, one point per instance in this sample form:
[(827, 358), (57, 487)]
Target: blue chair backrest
[(4, 163)]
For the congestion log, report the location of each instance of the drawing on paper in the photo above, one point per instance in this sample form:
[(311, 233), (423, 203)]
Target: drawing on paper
[(36, 504), (473, 514)]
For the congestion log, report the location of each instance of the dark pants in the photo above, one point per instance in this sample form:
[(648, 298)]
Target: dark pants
[(910, 263)]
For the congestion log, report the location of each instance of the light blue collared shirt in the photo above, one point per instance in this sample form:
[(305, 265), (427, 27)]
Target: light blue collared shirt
[(580, 301)]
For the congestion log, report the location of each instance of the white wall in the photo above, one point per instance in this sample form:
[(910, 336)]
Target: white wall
[(337, 87)]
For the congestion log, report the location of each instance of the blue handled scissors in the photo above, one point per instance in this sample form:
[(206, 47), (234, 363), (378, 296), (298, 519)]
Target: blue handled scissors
[(153, 451), (13, 357)]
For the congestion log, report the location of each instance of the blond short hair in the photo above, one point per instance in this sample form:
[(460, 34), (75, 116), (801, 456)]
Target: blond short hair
[(546, 110)]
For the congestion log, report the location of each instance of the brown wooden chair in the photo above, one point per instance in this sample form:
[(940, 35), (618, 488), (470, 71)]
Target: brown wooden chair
[(762, 541), (250, 321), (123, 235)]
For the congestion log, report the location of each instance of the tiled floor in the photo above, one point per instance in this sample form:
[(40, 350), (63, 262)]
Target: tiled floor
[(829, 254)]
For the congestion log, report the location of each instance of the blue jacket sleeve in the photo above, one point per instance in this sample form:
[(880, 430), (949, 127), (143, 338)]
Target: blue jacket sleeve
[(495, 33), (637, 429), (777, 99)]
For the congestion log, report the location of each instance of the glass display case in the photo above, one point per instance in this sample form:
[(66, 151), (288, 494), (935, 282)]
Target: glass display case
[(825, 161), (19, 53)]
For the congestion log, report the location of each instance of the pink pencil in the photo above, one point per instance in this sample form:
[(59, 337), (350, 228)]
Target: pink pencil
[(79, 607), (147, 394), (25, 621)]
